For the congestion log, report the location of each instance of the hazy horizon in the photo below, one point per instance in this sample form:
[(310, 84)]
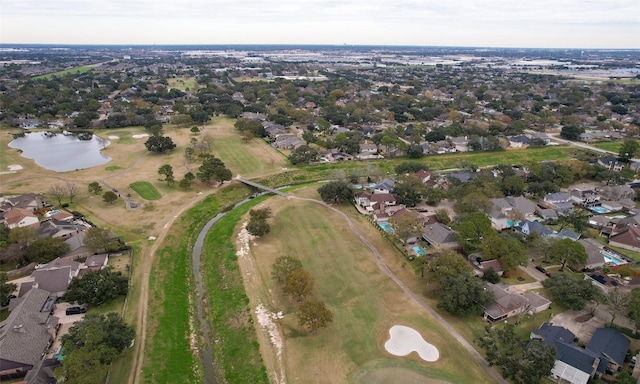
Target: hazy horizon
[(567, 24)]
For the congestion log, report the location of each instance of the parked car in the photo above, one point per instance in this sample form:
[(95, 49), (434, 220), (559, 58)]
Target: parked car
[(543, 270), (75, 310), (7, 300)]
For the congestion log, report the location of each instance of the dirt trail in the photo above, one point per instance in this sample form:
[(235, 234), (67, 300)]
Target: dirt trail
[(145, 268)]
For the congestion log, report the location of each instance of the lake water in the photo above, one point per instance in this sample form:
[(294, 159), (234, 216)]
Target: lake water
[(61, 153)]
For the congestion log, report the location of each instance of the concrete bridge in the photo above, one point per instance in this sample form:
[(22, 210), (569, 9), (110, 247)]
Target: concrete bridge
[(260, 186)]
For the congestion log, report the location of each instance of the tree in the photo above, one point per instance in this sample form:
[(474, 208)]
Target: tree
[(335, 192), (97, 287), (571, 292), (523, 362), (304, 154), (509, 251), (298, 283), (415, 151), (628, 150), (189, 152), (409, 167), (72, 191), (634, 307), (195, 129), (433, 196), (5, 288), (213, 168), (160, 144), (23, 236), (447, 263), (314, 315), (91, 345), (167, 171), (464, 294), (109, 197), (258, 225), (95, 188), (58, 192), (472, 229), (568, 251), (408, 190), (100, 239), (618, 300), (44, 250), (283, 265), (571, 132)]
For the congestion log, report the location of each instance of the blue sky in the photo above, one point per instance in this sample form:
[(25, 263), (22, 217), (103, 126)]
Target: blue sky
[(493, 23)]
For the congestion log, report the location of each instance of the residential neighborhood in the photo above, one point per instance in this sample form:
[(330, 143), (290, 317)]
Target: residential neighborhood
[(467, 193)]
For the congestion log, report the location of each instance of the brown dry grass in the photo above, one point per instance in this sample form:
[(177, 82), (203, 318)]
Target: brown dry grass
[(365, 302)]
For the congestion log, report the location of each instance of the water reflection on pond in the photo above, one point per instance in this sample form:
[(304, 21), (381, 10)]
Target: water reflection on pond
[(61, 152)]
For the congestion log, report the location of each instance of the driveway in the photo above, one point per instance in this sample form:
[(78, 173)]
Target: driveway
[(533, 272), (583, 331)]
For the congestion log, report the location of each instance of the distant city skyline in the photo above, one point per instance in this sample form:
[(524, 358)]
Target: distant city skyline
[(613, 24)]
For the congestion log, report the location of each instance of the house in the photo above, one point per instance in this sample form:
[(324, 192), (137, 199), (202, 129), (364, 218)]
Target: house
[(617, 192), (97, 262), (506, 304), (546, 214), (602, 281), (62, 229), (567, 234), (424, 176), (611, 163), (285, 141), (54, 277), (520, 141), (611, 206), (384, 186), (611, 347), (27, 333), (532, 226), (30, 201), (438, 234), (594, 254), (374, 202), (462, 176), (585, 198), (573, 364), (627, 238), (404, 217), (460, 143), (507, 211), (486, 265), (20, 218)]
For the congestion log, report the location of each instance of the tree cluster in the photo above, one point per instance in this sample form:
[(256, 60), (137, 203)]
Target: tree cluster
[(524, 362), (91, 346), (298, 282), (257, 224), (335, 192), (97, 287), (213, 169)]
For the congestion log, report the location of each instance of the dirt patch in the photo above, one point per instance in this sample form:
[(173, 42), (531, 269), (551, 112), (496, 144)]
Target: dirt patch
[(584, 318)]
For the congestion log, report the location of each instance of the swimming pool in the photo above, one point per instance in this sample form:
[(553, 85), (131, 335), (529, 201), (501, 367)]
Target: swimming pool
[(600, 210), (418, 250), (386, 226), (612, 259)]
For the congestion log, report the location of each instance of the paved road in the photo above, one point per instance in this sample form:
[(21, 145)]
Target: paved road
[(533, 272)]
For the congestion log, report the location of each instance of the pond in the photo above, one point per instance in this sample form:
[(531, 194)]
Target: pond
[(61, 152)]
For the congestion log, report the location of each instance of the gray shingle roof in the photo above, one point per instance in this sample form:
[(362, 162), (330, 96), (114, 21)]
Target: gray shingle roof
[(24, 335)]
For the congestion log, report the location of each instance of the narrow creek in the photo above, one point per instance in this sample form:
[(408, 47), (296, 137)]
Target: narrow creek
[(206, 349)]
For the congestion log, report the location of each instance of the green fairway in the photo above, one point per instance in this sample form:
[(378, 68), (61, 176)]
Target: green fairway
[(146, 190), (365, 303), (76, 71), (613, 146)]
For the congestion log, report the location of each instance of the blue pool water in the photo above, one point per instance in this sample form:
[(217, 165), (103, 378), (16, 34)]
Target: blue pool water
[(599, 210), (59, 355), (612, 259), (357, 186), (386, 226), (418, 250)]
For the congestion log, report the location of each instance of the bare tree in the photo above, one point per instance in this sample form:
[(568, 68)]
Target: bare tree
[(618, 301), (72, 190), (58, 191)]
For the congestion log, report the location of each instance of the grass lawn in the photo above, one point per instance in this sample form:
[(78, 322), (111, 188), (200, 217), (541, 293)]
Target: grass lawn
[(365, 303), (76, 70), (146, 190), (517, 276), (183, 83)]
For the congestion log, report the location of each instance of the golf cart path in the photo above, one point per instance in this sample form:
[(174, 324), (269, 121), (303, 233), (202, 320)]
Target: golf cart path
[(383, 266)]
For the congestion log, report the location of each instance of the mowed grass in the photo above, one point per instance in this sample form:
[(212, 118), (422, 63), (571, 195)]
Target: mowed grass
[(247, 159), (613, 146), (146, 190), (75, 71), (183, 83), (365, 303)]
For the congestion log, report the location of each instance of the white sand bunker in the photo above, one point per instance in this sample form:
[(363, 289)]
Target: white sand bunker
[(404, 340), (113, 137), (14, 167), (140, 136)]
